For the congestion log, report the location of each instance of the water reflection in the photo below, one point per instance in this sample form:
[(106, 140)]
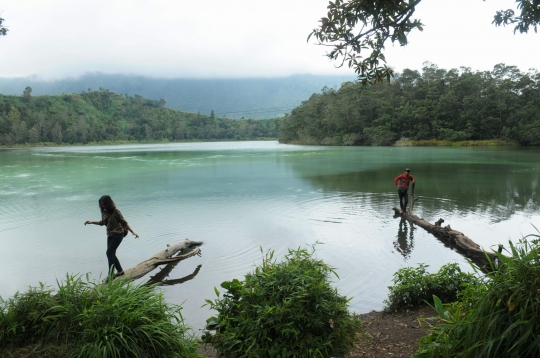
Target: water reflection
[(241, 196), (494, 190), (160, 278), (404, 243), (185, 253)]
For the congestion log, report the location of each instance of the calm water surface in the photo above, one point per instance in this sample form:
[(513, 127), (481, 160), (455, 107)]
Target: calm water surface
[(238, 197)]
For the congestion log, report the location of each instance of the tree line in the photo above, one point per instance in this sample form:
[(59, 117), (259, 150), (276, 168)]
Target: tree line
[(99, 116), (256, 98), (452, 105)]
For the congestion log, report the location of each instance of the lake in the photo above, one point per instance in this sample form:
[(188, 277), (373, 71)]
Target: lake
[(239, 197)]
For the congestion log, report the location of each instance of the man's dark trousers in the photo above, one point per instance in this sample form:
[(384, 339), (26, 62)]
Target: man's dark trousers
[(403, 198)]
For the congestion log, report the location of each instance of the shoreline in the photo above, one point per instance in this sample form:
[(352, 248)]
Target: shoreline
[(404, 142)]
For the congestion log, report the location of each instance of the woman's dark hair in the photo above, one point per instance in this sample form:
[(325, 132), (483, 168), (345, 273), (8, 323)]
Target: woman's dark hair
[(108, 204)]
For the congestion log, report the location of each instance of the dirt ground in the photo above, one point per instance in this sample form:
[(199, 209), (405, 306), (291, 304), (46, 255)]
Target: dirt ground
[(393, 335)]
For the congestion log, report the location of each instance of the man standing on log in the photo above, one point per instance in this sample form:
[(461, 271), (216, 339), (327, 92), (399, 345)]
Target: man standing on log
[(402, 183)]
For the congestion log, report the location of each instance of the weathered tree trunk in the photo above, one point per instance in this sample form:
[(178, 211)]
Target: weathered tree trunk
[(183, 250), (454, 239)]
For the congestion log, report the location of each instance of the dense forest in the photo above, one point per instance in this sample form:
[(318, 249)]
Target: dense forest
[(256, 98), (452, 105), (98, 116)]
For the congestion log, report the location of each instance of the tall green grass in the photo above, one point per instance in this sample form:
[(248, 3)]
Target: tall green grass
[(499, 318), (85, 319)]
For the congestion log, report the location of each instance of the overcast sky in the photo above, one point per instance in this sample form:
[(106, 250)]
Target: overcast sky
[(234, 38)]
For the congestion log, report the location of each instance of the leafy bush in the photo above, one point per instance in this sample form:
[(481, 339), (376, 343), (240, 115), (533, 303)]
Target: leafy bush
[(285, 309), (500, 318), (414, 286), (93, 320)]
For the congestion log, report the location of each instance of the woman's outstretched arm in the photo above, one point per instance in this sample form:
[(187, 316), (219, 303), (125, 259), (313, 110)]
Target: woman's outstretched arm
[(92, 222), (131, 230)]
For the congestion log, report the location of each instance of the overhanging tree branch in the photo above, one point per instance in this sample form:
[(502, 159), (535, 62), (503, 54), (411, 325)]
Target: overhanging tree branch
[(389, 19)]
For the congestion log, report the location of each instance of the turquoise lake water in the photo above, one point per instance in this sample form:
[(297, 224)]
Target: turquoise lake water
[(240, 196)]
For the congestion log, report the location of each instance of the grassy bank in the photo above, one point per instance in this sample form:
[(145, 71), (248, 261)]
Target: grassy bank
[(85, 319), (405, 142)]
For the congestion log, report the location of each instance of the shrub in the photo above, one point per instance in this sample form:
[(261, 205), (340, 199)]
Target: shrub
[(500, 318), (285, 309), (93, 320), (415, 286)]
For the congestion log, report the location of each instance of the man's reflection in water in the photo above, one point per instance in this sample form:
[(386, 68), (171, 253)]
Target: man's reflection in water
[(403, 245)]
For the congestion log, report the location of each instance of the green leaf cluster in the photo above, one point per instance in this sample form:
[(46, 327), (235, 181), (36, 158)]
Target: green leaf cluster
[(282, 309), (3, 29), (434, 104), (529, 16), (499, 318), (413, 287), (84, 319), (354, 27)]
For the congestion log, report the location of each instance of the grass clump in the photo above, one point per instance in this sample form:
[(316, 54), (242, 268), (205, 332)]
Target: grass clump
[(414, 287), (283, 309), (84, 319), (499, 318)]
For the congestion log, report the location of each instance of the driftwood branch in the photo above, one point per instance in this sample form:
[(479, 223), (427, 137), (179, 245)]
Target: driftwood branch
[(453, 238), (182, 250)]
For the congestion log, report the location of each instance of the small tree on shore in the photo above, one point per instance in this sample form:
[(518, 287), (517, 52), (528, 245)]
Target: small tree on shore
[(286, 309)]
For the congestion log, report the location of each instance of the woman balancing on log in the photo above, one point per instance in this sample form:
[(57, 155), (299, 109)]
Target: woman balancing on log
[(402, 183), (117, 229)]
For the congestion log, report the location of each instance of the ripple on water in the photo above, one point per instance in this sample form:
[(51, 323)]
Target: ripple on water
[(234, 214)]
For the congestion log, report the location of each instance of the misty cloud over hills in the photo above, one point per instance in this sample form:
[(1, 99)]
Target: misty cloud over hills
[(233, 97)]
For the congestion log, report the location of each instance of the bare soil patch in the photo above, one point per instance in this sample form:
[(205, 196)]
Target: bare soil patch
[(393, 334)]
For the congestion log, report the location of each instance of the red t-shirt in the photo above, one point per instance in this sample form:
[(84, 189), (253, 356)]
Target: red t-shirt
[(405, 179)]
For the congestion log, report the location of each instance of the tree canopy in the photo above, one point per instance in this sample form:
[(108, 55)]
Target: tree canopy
[(353, 28), (101, 116), (446, 105)]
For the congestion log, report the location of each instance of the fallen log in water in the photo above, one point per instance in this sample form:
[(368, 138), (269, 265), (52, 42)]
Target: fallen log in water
[(183, 250), (453, 238)]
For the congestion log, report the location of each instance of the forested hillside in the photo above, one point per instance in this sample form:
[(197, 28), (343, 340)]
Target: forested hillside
[(438, 104), (256, 98), (99, 116)]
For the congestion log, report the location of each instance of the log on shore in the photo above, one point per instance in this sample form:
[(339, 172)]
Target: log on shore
[(456, 239), (182, 250)]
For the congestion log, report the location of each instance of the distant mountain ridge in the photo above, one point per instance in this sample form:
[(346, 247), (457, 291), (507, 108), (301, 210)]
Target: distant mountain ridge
[(235, 98)]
